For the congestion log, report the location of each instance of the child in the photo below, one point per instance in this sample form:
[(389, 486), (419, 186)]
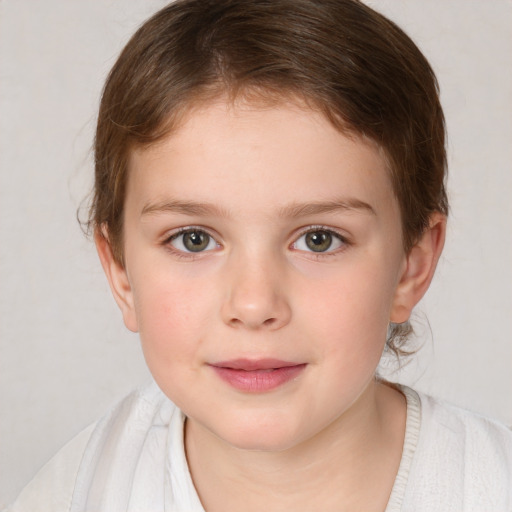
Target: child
[(269, 207)]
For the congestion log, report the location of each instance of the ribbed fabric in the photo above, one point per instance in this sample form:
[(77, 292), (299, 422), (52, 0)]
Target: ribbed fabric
[(412, 434)]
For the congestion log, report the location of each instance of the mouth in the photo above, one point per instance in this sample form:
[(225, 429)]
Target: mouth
[(258, 375)]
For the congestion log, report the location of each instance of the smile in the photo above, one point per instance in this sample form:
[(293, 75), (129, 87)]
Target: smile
[(257, 376)]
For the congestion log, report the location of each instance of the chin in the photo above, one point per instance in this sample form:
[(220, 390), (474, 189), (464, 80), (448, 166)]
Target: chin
[(262, 436)]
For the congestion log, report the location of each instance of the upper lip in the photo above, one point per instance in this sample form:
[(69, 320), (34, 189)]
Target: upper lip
[(254, 364)]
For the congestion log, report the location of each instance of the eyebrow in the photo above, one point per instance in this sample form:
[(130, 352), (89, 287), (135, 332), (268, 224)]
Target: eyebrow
[(315, 208), (191, 208), (204, 209)]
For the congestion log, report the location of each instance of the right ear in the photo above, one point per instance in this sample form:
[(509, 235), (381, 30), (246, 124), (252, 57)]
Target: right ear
[(117, 279)]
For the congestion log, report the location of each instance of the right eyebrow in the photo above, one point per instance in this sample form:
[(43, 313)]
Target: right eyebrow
[(184, 207)]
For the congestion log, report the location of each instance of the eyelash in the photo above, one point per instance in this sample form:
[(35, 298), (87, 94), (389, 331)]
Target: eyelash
[(311, 254), (343, 239), (184, 254)]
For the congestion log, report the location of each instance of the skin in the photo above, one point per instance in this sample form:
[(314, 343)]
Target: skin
[(247, 176)]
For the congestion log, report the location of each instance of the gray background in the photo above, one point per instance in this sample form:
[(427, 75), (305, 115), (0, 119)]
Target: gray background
[(65, 356)]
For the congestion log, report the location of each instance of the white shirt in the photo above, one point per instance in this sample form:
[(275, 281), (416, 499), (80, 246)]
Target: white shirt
[(134, 460)]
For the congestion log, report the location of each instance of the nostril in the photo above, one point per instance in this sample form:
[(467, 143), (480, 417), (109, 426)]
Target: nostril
[(235, 322)]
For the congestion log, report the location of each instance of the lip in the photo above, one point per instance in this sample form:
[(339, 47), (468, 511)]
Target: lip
[(257, 375)]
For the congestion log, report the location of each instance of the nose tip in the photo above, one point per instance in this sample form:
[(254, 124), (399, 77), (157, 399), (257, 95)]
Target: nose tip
[(256, 302), (255, 319)]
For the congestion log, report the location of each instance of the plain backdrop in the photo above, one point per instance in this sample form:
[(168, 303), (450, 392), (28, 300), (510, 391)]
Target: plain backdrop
[(65, 356)]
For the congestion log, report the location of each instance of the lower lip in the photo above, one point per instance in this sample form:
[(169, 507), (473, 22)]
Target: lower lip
[(258, 381)]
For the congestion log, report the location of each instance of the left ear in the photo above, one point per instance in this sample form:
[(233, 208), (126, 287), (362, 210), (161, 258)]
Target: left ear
[(420, 266)]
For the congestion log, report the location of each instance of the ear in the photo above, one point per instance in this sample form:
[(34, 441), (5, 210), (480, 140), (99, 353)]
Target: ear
[(117, 279), (419, 268)]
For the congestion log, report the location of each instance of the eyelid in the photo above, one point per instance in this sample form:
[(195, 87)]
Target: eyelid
[(187, 229), (343, 238)]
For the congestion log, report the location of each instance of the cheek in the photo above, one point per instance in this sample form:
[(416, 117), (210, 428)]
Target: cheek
[(350, 312), (173, 314), (172, 317), (350, 299)]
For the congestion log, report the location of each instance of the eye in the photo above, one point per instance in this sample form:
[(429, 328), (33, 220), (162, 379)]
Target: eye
[(193, 240), (319, 240)]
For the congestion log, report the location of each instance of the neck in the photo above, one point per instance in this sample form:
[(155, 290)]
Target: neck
[(351, 464)]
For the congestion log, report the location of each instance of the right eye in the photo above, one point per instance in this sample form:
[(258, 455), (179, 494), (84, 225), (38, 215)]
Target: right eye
[(193, 240)]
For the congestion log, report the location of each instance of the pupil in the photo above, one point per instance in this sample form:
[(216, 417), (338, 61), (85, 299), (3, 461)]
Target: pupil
[(196, 241), (319, 241)]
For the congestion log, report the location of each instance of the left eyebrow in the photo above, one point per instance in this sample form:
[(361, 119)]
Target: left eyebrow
[(315, 208)]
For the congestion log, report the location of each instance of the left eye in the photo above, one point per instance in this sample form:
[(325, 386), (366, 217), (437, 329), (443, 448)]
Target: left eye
[(193, 240), (319, 240)]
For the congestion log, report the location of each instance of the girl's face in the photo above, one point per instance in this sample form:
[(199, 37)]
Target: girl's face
[(263, 264)]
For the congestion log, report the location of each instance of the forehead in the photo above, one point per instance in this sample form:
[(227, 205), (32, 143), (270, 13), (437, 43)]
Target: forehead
[(252, 157)]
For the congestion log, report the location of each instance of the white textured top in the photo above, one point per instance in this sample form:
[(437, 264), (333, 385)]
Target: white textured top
[(134, 460)]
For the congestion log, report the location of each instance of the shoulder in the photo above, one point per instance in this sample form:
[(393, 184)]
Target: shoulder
[(121, 431), (52, 487), (475, 437), (462, 459)]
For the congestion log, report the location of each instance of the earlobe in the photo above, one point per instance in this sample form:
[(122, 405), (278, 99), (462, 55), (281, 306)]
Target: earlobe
[(419, 269), (117, 279)]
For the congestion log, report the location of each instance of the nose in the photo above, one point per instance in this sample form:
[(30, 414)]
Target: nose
[(256, 296)]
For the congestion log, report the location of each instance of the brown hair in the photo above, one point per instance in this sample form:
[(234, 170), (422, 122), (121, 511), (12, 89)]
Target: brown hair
[(338, 56)]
